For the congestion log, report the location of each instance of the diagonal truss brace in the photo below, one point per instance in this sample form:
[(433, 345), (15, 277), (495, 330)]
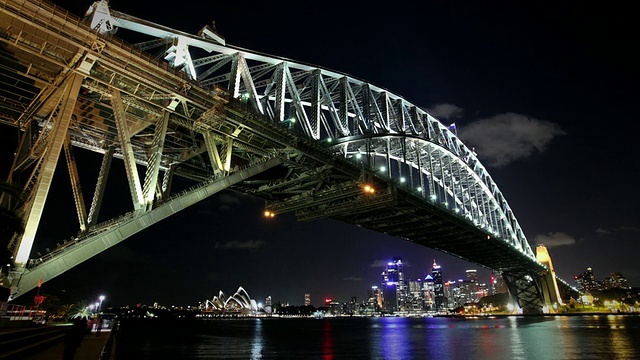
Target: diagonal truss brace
[(151, 175), (75, 184), (101, 185), (102, 239), (127, 150)]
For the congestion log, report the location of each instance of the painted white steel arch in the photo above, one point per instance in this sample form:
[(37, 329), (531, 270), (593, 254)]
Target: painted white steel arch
[(335, 108)]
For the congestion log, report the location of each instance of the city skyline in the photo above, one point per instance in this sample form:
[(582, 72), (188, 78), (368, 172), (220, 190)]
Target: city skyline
[(531, 89)]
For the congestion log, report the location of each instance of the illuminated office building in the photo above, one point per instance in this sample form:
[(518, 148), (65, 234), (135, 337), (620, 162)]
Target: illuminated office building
[(438, 287)]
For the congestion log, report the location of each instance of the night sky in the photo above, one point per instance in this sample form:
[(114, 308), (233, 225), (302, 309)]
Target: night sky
[(546, 93)]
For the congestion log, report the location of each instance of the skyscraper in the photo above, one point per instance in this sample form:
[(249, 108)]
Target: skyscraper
[(307, 299), (438, 288), (393, 285), (472, 286), (429, 295)]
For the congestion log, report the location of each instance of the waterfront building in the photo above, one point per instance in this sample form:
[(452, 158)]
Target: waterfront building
[(471, 286), (393, 285), (586, 281), (617, 281), (483, 290), (415, 298), (438, 286), (500, 285), (239, 302), (374, 299), (334, 308), (428, 291)]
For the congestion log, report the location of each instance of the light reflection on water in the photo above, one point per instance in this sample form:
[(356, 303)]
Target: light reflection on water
[(548, 337)]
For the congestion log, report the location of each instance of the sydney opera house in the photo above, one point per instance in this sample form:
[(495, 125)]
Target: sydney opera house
[(238, 303)]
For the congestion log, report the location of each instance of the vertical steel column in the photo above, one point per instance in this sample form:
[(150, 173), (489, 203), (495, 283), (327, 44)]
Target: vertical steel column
[(127, 150), (234, 77), (420, 172), (280, 92), (316, 103), (343, 110), (34, 208), (432, 183), (443, 179), (453, 184), (75, 184)]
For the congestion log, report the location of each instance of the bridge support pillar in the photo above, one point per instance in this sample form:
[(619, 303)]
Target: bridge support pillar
[(526, 290), (549, 284)]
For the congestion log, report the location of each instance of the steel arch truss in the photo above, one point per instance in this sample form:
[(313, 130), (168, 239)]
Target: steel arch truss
[(361, 121)]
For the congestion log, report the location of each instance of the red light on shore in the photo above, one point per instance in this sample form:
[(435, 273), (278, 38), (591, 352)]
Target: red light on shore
[(328, 301)]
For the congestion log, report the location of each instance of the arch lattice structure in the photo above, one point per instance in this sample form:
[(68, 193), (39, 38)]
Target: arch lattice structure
[(302, 137)]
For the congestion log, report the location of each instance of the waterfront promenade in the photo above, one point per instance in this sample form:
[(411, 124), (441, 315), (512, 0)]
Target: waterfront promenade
[(90, 349)]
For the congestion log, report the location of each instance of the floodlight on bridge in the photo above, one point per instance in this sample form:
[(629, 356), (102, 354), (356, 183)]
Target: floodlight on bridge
[(269, 214), (369, 189)]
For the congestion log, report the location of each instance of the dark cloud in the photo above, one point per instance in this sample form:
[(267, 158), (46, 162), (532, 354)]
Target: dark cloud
[(445, 111), (555, 239), (227, 201), (352, 278), (618, 230), (242, 245), (627, 229), (505, 138), (379, 263)]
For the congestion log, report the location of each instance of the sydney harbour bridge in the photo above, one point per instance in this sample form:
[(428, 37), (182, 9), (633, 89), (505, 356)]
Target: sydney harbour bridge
[(305, 139)]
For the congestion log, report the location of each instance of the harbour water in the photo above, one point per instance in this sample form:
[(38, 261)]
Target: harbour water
[(544, 337)]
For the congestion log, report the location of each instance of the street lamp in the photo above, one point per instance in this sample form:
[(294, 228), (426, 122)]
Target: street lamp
[(100, 305)]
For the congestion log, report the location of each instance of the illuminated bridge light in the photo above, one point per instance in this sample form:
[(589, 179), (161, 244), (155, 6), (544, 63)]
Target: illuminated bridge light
[(432, 197), (369, 189), (382, 168), (269, 214), (402, 179), (358, 156), (419, 188)]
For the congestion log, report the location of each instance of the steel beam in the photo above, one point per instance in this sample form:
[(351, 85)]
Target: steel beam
[(99, 240), (32, 211), (101, 184), (127, 150), (151, 175), (75, 184)]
